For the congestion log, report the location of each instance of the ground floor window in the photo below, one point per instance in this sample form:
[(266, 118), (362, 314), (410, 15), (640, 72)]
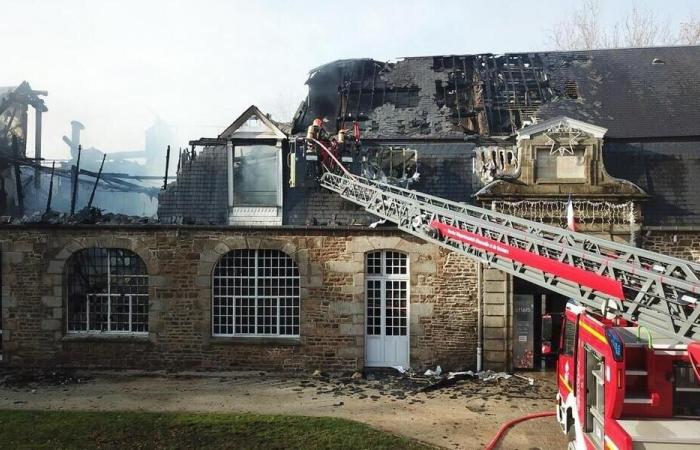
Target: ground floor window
[(256, 293), (106, 292)]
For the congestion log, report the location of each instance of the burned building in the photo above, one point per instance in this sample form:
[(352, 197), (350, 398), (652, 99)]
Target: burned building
[(253, 265), (34, 188)]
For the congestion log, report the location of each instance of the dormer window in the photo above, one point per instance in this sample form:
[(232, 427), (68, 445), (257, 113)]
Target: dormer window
[(254, 156)]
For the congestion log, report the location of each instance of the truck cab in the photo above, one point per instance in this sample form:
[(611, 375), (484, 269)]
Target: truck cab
[(623, 387)]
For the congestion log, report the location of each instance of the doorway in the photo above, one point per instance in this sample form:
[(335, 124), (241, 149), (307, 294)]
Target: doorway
[(387, 309), (537, 319)]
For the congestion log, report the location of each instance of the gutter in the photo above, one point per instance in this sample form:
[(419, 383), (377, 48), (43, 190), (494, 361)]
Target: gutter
[(479, 320), (671, 228)]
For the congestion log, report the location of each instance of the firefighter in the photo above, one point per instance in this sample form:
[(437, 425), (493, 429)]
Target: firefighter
[(316, 130)]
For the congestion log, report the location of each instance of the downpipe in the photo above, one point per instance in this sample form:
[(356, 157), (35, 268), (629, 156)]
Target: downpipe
[(479, 319)]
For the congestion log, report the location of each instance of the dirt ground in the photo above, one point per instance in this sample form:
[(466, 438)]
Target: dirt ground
[(462, 416)]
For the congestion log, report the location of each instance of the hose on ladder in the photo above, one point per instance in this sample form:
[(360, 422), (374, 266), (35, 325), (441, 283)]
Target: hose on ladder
[(501, 431)]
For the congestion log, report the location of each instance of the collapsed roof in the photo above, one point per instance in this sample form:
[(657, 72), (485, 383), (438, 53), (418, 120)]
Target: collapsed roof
[(634, 93)]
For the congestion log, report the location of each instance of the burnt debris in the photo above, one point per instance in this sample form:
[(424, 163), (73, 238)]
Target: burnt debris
[(458, 96)]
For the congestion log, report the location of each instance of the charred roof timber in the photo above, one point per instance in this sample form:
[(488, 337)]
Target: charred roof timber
[(453, 96)]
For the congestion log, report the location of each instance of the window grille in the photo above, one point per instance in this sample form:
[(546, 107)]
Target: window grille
[(255, 293), (106, 292), (387, 293)]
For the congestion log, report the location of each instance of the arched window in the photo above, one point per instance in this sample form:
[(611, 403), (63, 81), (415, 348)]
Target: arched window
[(256, 293), (106, 292)]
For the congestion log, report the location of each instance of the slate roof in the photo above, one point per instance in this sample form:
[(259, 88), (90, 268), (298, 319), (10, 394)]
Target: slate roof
[(667, 171), (445, 168), (200, 193), (450, 96), (651, 110), (625, 92)]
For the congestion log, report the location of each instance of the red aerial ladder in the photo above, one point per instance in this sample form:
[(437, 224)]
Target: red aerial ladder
[(628, 369)]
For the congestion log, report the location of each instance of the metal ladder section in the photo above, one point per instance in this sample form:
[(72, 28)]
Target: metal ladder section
[(659, 292)]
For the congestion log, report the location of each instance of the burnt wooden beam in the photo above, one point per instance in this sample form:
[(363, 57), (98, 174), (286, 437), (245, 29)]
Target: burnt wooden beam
[(18, 175), (76, 173), (48, 200), (167, 164), (97, 180)]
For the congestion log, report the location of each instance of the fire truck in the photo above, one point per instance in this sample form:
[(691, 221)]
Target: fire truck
[(628, 367)]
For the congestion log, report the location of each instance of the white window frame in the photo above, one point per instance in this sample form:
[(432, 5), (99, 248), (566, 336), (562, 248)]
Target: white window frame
[(383, 277), (257, 298), (254, 215), (109, 296)]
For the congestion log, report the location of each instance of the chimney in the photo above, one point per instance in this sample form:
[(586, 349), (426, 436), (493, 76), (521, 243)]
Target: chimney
[(76, 128)]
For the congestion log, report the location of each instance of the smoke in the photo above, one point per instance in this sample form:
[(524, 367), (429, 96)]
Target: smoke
[(255, 176)]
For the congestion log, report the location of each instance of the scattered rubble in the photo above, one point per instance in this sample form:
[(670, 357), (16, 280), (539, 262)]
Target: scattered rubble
[(85, 216), (415, 387), (31, 379)]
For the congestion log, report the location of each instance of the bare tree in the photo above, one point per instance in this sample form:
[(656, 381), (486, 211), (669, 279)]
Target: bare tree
[(641, 28), (689, 33), (585, 30), (581, 31)]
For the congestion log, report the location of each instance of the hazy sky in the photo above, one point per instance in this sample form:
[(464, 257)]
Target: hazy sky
[(116, 65)]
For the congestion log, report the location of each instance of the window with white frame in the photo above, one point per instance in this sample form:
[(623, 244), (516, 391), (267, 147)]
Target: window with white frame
[(255, 293), (106, 292), (256, 180), (387, 293)]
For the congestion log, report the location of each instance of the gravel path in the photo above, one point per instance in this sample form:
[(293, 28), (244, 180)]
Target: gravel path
[(462, 416)]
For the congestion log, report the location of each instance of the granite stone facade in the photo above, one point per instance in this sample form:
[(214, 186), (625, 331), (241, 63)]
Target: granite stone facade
[(180, 261)]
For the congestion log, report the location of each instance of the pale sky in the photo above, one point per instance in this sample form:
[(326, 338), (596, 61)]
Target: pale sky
[(116, 65)]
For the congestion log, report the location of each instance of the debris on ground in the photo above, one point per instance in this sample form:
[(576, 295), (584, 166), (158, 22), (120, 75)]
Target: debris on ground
[(416, 387), (399, 369), (529, 380), (33, 378), (433, 373)]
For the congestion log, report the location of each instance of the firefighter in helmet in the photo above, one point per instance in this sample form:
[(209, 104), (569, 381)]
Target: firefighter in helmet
[(316, 130)]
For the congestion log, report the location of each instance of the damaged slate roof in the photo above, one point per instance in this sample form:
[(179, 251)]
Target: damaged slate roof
[(445, 170), (199, 196), (634, 93)]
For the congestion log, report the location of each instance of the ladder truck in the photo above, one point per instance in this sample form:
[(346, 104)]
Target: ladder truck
[(628, 372)]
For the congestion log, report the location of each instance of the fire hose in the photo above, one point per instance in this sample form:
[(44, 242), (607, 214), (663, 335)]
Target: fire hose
[(501, 431)]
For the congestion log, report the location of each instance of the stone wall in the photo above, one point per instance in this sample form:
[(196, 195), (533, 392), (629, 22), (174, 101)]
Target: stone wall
[(180, 261), (681, 244)]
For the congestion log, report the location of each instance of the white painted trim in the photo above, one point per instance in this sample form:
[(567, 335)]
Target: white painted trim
[(593, 130), (383, 278), (229, 165), (247, 114), (280, 180)]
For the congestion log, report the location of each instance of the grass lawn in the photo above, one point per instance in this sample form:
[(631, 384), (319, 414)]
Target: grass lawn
[(139, 430)]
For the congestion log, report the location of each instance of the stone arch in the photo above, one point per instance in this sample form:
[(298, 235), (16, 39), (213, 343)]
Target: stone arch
[(212, 251), (57, 264), (56, 269)]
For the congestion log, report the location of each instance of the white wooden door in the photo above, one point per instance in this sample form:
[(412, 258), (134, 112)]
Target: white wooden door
[(387, 310)]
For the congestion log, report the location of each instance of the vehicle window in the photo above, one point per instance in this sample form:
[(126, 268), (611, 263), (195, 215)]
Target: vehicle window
[(569, 337)]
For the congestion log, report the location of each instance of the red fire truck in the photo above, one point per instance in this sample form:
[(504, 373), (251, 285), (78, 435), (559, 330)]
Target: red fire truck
[(625, 387), (628, 369)]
